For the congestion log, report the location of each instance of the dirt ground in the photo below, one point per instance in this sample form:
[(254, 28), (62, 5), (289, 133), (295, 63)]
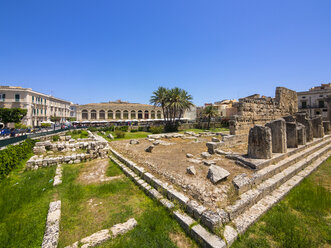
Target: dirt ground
[(168, 161), (95, 172)]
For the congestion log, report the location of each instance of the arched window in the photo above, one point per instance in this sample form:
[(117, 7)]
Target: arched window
[(159, 114), (93, 114), (152, 114), (140, 114), (125, 114), (133, 114), (84, 114), (118, 114), (146, 115), (110, 114), (102, 115)]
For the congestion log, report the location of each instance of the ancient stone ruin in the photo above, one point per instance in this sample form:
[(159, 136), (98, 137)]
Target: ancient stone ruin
[(257, 110)]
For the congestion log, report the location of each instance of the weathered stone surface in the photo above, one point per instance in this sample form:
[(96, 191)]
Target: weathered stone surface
[(213, 139), (291, 135), (241, 183), (156, 142), (110, 136), (221, 152), (195, 209), (318, 129), (194, 161), (209, 162), (189, 155), (278, 135), (205, 155), (96, 238), (149, 149), (230, 234), (191, 170), (327, 127), (217, 173), (302, 118), (212, 146), (259, 142), (301, 132), (122, 228), (211, 219), (134, 142), (51, 235)]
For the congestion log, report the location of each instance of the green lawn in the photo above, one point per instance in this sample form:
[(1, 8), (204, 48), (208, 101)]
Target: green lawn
[(115, 202), (196, 130), (301, 219), (78, 134), (128, 135), (24, 201)]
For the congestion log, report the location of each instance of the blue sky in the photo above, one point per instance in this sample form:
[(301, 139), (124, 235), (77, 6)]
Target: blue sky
[(93, 51)]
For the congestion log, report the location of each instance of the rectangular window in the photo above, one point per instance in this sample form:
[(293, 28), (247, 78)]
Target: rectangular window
[(304, 104), (321, 104), (17, 97), (41, 111), (34, 111), (37, 111), (2, 97), (45, 111), (32, 98), (45, 101)]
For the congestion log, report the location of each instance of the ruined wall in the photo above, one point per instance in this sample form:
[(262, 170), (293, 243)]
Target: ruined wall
[(256, 110)]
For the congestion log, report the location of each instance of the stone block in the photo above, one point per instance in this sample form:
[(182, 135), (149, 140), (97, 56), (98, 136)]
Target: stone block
[(318, 129), (212, 146), (241, 183), (191, 170), (260, 142), (278, 135), (211, 219), (327, 127), (301, 132), (149, 149), (217, 173), (291, 135), (302, 118)]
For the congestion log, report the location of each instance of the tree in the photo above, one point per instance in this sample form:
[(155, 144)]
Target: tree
[(55, 119), (15, 115), (174, 102), (209, 112)]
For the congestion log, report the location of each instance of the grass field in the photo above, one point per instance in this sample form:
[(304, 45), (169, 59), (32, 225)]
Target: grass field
[(301, 219), (196, 130), (128, 135), (89, 208), (24, 201)]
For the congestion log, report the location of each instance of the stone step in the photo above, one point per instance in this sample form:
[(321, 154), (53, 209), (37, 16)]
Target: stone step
[(258, 164), (251, 215), (252, 196), (273, 169)]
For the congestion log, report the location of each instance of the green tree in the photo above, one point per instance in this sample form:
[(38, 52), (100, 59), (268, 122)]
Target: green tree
[(209, 112), (55, 119), (15, 115), (174, 102)]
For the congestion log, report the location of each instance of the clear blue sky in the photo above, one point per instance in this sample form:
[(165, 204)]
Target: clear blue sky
[(101, 50)]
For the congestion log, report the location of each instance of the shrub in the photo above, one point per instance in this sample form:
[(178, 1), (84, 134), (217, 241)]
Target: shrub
[(140, 129), (124, 128), (83, 134), (133, 130), (45, 124), (156, 129), (56, 138), (14, 155), (92, 129), (119, 134)]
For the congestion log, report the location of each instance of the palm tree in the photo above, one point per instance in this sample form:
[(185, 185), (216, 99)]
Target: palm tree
[(173, 103), (209, 112)]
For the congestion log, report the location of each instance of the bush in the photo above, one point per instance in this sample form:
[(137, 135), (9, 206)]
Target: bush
[(14, 155), (140, 129), (119, 134), (124, 128), (56, 138), (134, 130), (92, 129), (156, 129), (45, 125)]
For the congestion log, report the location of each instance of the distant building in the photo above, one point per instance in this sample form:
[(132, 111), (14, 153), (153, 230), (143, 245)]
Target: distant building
[(40, 106), (225, 108), (314, 101)]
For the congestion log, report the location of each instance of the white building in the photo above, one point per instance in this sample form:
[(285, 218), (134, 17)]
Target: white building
[(314, 101), (40, 106)]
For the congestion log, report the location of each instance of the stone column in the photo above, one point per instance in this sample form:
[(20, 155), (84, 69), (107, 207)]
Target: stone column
[(301, 132), (318, 129), (302, 118), (327, 128), (278, 133), (291, 135), (260, 142)]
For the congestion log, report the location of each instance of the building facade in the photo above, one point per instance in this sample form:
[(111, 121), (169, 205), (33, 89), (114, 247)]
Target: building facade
[(41, 107), (117, 111), (314, 101)]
